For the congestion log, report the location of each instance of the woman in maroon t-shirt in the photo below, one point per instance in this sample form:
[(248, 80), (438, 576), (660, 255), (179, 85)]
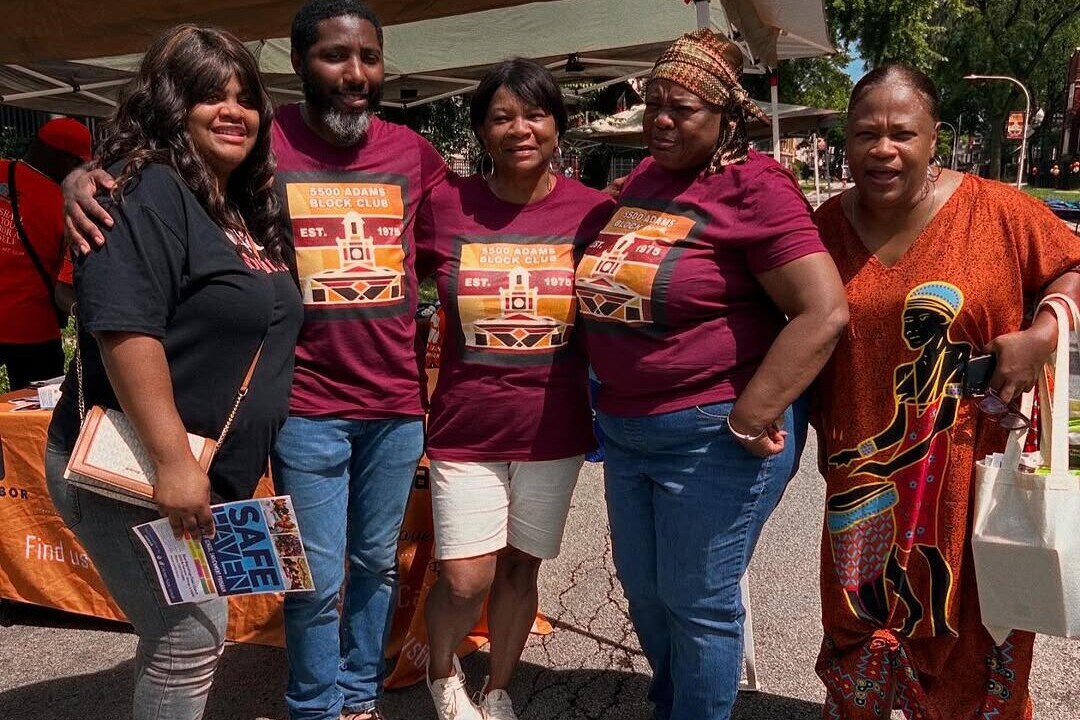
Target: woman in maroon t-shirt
[(510, 421), (709, 304)]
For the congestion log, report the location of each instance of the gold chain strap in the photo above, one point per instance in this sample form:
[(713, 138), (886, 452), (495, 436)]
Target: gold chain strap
[(79, 367), (240, 394)]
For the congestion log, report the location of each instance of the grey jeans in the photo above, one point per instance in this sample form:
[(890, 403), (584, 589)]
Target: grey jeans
[(179, 645)]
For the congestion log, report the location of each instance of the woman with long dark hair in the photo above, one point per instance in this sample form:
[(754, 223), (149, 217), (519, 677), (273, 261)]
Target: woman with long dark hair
[(191, 289)]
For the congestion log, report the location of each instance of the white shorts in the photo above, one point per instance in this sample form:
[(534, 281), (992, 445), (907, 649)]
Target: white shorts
[(480, 508)]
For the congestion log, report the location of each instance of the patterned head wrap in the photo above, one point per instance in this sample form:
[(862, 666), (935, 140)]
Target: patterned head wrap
[(703, 63), (940, 297)]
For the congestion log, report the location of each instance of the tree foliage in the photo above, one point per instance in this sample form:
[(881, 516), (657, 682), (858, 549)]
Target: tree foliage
[(1026, 39), (445, 123), (12, 145), (818, 82)]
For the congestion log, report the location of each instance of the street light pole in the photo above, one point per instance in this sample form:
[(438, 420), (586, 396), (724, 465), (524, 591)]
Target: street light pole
[(1027, 115), (955, 139)]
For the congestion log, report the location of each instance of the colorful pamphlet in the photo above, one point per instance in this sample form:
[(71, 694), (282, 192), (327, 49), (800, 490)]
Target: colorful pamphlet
[(256, 548)]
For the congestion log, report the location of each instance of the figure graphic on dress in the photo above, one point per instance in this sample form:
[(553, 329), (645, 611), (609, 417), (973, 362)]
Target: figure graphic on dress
[(879, 527)]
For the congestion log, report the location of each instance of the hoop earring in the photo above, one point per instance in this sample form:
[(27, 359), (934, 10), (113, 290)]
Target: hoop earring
[(487, 172), (934, 168), (555, 164)]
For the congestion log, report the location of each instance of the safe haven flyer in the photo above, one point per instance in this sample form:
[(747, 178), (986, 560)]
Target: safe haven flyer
[(256, 548)]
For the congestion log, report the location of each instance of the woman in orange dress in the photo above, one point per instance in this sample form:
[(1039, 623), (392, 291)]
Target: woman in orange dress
[(938, 267)]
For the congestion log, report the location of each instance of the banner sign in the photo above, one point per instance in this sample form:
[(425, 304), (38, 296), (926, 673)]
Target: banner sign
[(1014, 128)]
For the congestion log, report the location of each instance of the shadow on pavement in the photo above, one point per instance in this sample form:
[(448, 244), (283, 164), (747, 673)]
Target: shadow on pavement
[(250, 682), (763, 706), (251, 679), (15, 613)]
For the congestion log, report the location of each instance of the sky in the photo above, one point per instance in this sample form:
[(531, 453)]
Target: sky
[(856, 68)]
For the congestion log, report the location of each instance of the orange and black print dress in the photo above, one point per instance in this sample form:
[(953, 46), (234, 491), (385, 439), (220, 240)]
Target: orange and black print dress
[(898, 447)]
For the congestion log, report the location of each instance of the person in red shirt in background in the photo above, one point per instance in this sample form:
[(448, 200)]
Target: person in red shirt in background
[(32, 250), (64, 292)]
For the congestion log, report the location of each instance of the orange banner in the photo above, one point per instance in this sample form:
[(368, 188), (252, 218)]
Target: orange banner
[(42, 563)]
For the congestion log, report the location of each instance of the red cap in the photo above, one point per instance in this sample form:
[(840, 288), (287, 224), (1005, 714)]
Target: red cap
[(68, 135)]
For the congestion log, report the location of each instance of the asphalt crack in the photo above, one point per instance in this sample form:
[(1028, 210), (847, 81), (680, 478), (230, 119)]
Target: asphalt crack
[(591, 667)]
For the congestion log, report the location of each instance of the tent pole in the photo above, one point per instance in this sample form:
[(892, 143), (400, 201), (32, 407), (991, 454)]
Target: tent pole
[(774, 91), (817, 178)]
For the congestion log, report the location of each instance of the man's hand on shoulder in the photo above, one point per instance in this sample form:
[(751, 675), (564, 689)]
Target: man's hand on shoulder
[(83, 215)]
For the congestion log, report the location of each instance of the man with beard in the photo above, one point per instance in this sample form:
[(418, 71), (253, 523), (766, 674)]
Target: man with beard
[(351, 184)]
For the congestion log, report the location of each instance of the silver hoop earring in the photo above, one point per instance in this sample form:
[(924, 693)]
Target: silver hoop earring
[(934, 169), (487, 166), (555, 164)]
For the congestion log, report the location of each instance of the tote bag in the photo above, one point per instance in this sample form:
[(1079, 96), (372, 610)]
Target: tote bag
[(1026, 526)]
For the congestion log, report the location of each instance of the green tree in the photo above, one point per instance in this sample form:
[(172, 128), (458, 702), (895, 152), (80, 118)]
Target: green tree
[(818, 82), (884, 30), (445, 123), (1029, 40), (12, 145), (1025, 39)]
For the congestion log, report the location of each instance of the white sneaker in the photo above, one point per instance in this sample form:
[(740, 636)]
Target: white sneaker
[(451, 698), (496, 705)]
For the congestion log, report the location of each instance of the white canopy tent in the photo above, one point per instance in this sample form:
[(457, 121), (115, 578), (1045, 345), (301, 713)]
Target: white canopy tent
[(625, 128), (589, 42)]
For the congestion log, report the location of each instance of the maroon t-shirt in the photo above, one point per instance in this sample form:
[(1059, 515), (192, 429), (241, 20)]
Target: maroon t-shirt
[(672, 313), (352, 213), (513, 379)]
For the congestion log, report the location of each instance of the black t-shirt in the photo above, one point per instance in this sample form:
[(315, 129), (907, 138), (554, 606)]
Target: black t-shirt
[(168, 271)]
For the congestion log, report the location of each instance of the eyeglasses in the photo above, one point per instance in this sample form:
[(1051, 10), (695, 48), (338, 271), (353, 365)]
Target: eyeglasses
[(1006, 415)]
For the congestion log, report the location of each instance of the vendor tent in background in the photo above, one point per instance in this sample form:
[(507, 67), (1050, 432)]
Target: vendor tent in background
[(625, 128), (443, 52)]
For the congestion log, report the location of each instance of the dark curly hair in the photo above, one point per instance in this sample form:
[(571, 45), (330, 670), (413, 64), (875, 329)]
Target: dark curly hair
[(185, 66)]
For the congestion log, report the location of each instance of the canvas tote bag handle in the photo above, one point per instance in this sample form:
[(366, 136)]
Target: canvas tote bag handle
[(1056, 432), (1014, 446), (1059, 304)]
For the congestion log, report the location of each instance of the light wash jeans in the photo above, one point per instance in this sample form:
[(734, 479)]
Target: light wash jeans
[(350, 483), (686, 504), (179, 645)]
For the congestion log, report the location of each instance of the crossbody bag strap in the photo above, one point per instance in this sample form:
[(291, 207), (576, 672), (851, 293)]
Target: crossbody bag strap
[(79, 367), (240, 394), (27, 246)]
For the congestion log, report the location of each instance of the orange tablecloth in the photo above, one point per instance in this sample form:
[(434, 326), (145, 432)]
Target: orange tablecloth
[(42, 563)]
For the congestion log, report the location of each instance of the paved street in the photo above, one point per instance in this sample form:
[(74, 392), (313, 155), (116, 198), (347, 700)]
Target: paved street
[(590, 668)]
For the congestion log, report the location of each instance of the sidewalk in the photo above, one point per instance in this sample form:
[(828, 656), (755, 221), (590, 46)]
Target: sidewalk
[(826, 192)]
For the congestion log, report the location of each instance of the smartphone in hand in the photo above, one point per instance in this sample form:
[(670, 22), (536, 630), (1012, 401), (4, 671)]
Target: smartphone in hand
[(977, 375)]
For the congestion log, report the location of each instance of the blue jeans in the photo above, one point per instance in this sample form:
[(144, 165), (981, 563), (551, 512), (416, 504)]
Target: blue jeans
[(179, 645), (349, 481), (686, 504)]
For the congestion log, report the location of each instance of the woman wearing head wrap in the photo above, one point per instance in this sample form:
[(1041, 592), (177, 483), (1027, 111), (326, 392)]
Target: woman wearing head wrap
[(938, 267), (709, 305)]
